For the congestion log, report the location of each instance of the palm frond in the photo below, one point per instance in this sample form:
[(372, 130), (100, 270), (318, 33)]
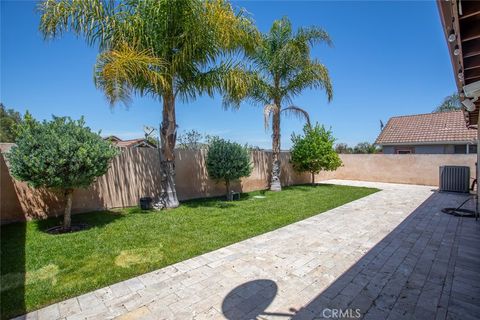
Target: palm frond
[(121, 70), (313, 35), (95, 20), (313, 76), (267, 114), (245, 85), (297, 112), (189, 37)]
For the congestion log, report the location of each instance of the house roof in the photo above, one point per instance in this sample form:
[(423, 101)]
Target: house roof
[(141, 142), (112, 138), (427, 128)]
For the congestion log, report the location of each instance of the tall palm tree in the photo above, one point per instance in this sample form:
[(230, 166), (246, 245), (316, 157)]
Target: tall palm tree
[(166, 49), (281, 68)]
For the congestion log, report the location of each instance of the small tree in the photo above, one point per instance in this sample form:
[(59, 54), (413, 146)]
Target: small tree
[(343, 148), (9, 118), (314, 151), (61, 154), (366, 148), (191, 140), (227, 161)]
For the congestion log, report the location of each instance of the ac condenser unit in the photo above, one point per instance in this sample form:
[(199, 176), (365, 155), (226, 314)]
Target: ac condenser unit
[(455, 179)]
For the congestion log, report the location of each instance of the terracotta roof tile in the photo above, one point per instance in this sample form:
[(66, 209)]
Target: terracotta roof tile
[(430, 127)]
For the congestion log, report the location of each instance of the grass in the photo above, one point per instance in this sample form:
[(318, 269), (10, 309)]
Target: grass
[(38, 268)]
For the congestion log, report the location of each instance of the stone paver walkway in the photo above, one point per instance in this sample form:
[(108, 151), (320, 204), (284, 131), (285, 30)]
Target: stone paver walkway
[(392, 254)]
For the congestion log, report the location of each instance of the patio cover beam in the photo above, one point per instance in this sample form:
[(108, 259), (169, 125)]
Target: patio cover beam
[(462, 18)]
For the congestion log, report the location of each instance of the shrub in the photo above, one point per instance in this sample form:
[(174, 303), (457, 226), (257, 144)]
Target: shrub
[(227, 161), (314, 151), (61, 154)]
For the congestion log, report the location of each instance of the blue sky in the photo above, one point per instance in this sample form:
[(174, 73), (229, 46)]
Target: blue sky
[(389, 58)]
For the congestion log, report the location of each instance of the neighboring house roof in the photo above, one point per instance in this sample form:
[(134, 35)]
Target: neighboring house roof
[(112, 138), (132, 143), (435, 128)]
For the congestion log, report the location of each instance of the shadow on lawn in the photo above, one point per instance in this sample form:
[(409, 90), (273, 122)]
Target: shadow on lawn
[(94, 220), (13, 240), (13, 256), (215, 202), (308, 186)]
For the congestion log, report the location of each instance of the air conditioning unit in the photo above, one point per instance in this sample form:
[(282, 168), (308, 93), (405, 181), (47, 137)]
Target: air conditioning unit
[(455, 179)]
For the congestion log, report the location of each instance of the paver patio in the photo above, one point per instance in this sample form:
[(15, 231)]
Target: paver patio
[(392, 255)]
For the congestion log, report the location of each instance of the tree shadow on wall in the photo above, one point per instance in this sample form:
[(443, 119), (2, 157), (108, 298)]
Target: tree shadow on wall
[(192, 180), (134, 174)]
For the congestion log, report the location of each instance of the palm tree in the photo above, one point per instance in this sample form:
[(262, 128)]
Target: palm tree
[(450, 103), (281, 68), (165, 49)]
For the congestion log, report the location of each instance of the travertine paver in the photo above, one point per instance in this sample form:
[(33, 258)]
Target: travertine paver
[(391, 255)]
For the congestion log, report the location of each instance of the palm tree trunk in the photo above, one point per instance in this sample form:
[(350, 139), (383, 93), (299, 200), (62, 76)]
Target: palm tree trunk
[(168, 136), (275, 184), (67, 216)]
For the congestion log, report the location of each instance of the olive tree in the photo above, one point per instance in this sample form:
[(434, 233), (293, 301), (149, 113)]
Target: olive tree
[(61, 154), (227, 161), (314, 151)]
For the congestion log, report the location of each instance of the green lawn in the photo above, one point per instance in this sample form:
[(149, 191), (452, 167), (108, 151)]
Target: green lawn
[(38, 268)]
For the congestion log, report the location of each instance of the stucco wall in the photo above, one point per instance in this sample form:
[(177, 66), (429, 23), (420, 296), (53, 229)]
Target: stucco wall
[(402, 168), (135, 173)]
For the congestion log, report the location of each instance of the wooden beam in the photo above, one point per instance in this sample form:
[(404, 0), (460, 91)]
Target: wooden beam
[(472, 62), (470, 49), (472, 73), (470, 31), (449, 17), (470, 9), (472, 79)]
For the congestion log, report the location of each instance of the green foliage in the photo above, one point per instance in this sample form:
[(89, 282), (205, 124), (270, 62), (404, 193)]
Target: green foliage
[(313, 151), (227, 161), (450, 103), (9, 118), (156, 47), (152, 140), (60, 154), (281, 68), (343, 148), (192, 140), (366, 148)]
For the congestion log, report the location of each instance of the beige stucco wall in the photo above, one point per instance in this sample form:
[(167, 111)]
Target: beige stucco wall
[(135, 173), (398, 168)]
